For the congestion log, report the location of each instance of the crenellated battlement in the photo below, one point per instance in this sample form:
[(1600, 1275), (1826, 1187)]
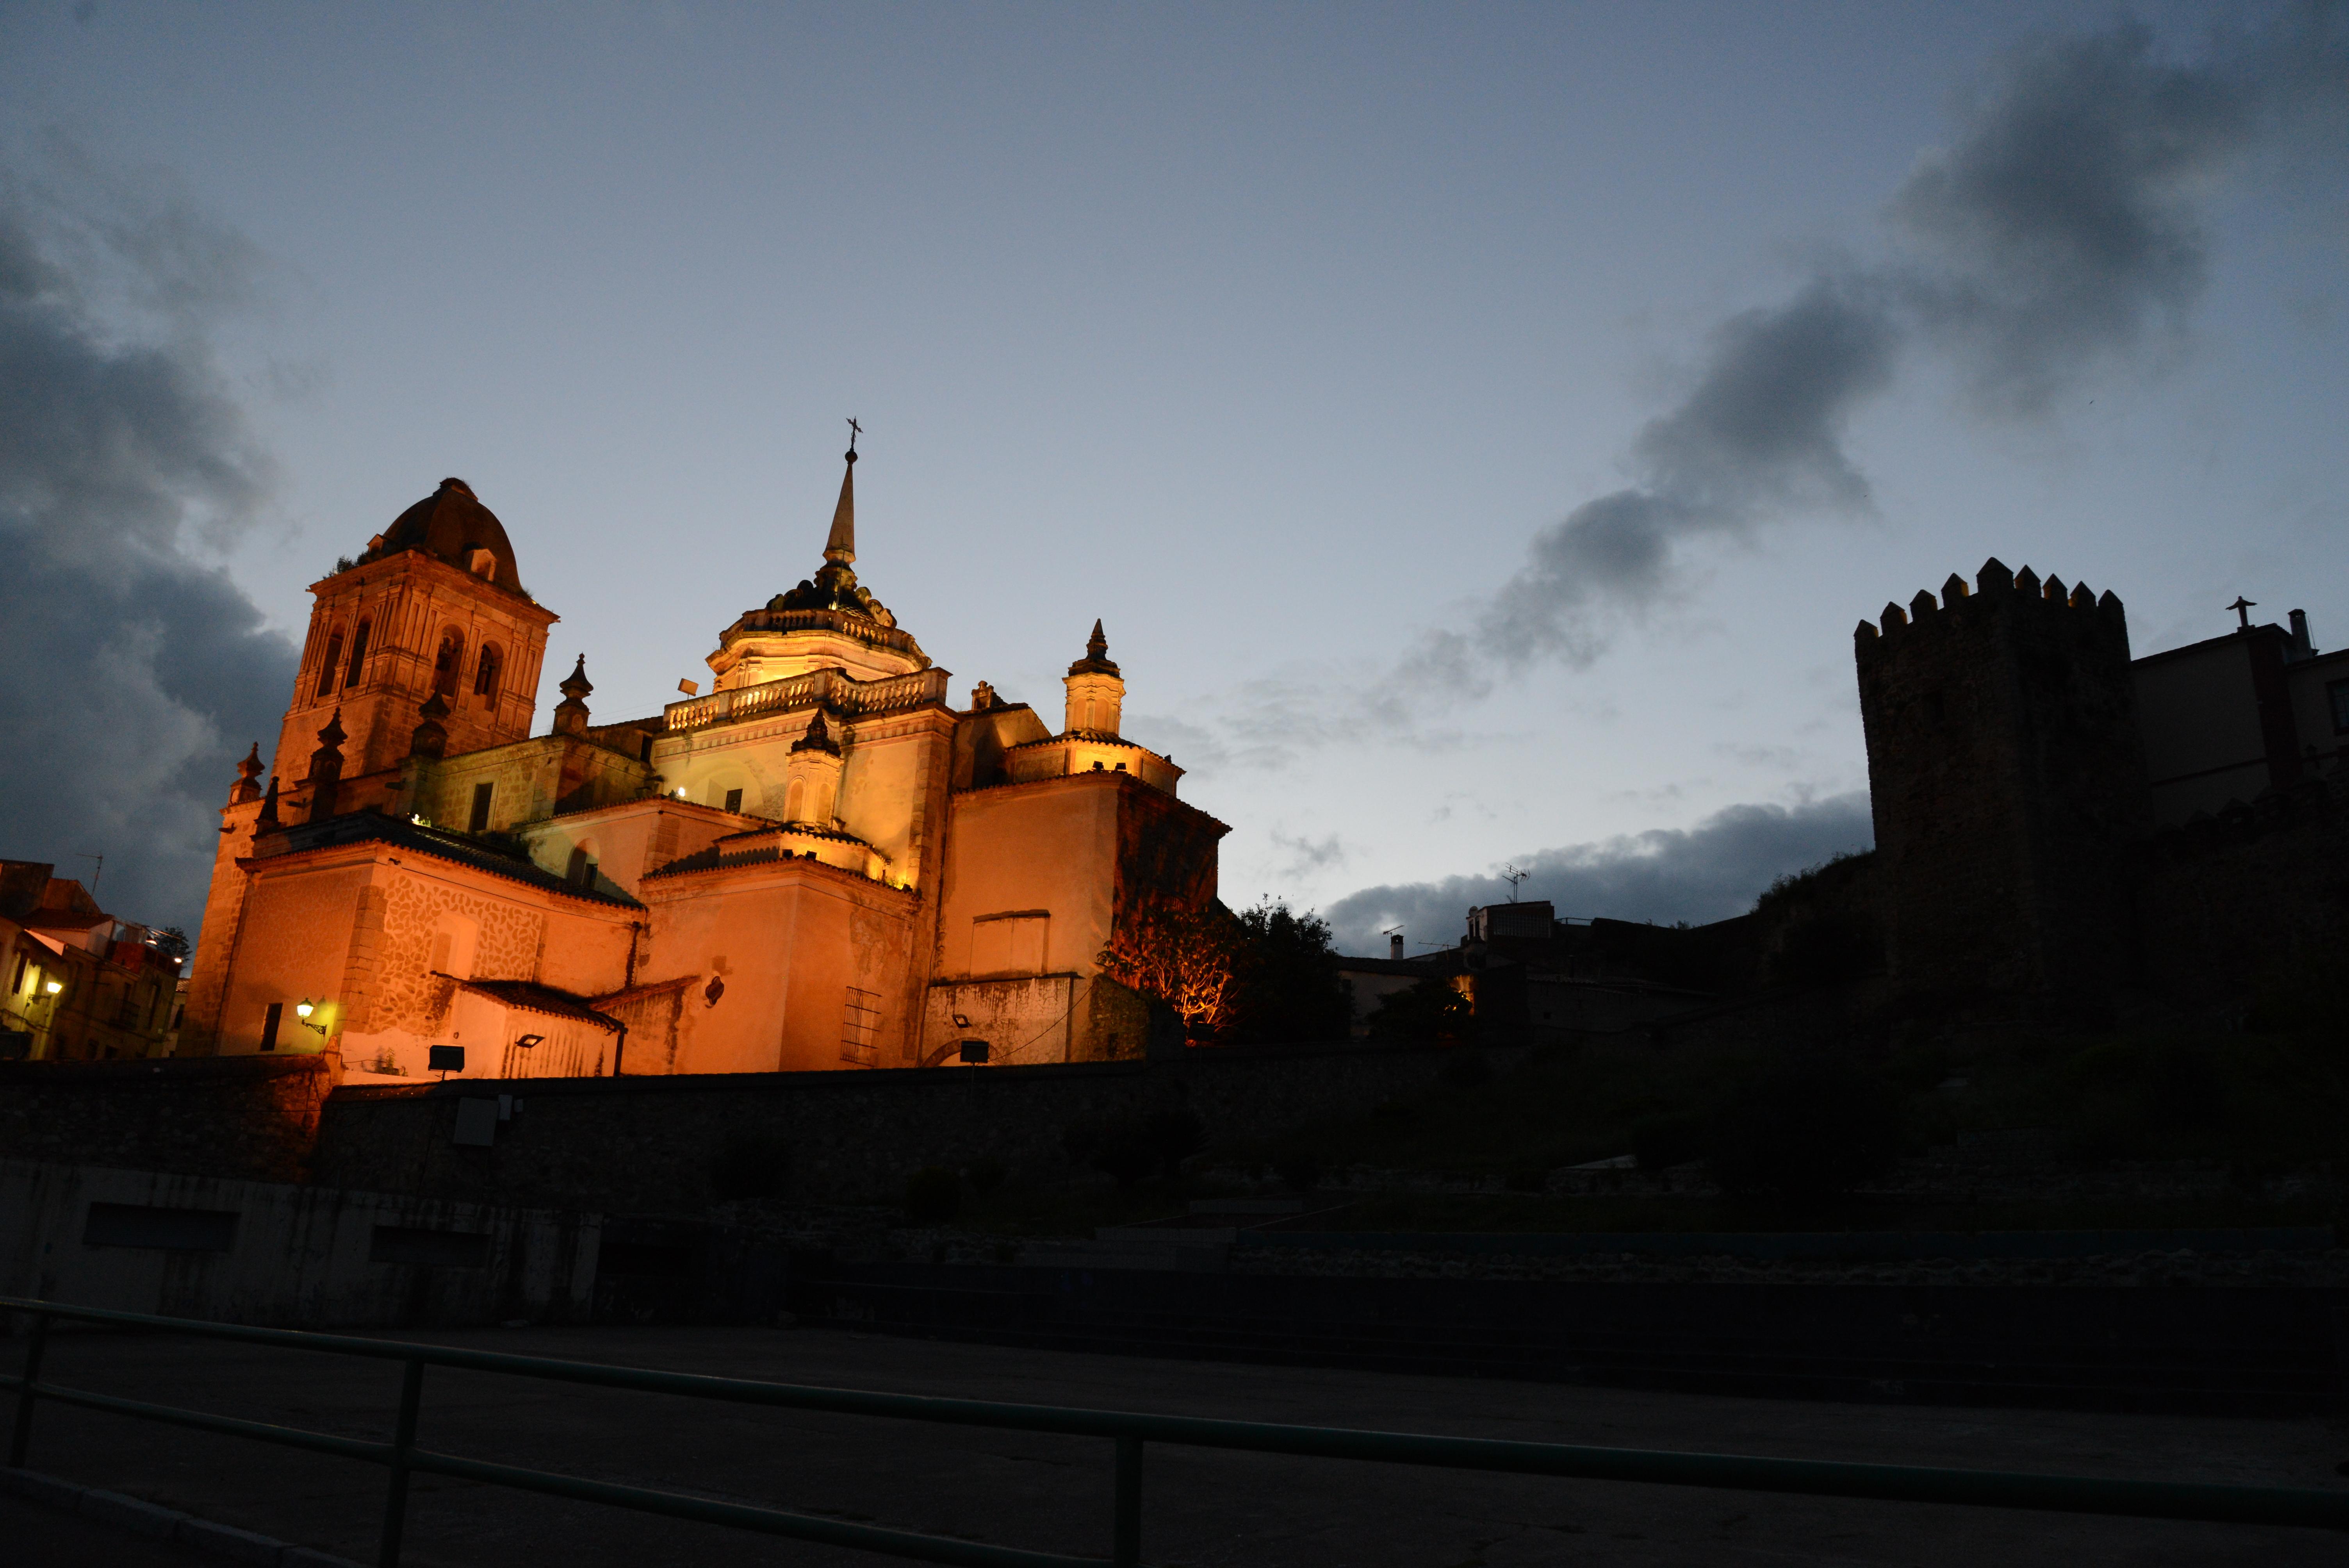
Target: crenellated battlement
[(1996, 590)]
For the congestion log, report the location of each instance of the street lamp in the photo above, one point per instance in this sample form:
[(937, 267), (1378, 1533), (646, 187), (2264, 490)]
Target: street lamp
[(302, 1009)]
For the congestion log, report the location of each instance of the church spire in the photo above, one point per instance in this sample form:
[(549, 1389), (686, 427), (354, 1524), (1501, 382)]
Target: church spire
[(840, 548)]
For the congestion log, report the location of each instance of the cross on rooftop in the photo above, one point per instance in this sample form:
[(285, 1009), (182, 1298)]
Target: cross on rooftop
[(2243, 609)]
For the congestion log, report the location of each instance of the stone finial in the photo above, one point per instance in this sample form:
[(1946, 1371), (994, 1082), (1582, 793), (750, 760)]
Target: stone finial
[(571, 713), (267, 821), (1864, 633), (1922, 605), (2082, 597), (430, 738), (326, 768), (982, 697), (1954, 590), (818, 737), (1894, 617), (2056, 590), (1993, 575), (2026, 582), (248, 776), (1096, 660)]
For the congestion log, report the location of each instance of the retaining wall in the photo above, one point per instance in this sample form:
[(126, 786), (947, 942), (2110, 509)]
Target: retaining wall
[(651, 1145)]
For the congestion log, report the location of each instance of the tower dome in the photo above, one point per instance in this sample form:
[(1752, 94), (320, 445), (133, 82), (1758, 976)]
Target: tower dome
[(452, 525)]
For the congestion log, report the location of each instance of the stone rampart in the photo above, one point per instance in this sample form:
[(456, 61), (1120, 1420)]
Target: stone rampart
[(253, 1117), (653, 1145), (2226, 901)]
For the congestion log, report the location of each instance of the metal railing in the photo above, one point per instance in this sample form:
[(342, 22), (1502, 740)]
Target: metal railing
[(1126, 1431)]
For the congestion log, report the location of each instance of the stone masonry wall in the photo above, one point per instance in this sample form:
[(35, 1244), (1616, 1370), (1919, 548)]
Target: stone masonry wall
[(2226, 903), (251, 1117), (649, 1145)]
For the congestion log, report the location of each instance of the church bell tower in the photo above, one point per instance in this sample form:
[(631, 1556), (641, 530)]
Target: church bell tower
[(433, 613)]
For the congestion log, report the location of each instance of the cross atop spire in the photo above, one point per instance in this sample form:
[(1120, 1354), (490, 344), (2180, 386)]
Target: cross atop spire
[(840, 548), (2242, 608)]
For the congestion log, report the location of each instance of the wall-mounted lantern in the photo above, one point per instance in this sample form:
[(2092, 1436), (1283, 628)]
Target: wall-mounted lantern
[(302, 1009)]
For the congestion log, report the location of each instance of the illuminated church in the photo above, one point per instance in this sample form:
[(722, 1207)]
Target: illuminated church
[(823, 862)]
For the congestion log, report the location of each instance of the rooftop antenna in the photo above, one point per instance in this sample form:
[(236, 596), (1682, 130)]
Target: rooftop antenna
[(1511, 875), (2242, 608), (96, 874)]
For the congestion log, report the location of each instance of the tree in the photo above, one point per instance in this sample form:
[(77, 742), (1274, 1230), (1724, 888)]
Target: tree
[(1286, 985), (170, 941), (1432, 1012), (1183, 957)]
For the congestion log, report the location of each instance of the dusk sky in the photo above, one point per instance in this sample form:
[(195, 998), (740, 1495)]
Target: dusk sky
[(1480, 428)]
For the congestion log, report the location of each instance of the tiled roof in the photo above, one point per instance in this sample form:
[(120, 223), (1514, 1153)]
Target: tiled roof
[(460, 849), (544, 999)]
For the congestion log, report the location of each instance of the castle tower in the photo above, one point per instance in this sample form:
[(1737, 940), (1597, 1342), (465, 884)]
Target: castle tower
[(434, 608), (2005, 775), (1096, 690)]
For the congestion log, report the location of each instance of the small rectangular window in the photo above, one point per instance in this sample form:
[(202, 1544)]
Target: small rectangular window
[(18, 983), (269, 1025), (159, 1230), (733, 800), (481, 817)]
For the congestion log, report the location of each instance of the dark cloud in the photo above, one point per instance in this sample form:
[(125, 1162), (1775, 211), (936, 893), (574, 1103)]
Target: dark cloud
[(2058, 237), (1760, 433), (1707, 872), (133, 673)]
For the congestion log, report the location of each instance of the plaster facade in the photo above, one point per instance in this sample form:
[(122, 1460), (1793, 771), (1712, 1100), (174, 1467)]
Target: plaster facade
[(819, 864)]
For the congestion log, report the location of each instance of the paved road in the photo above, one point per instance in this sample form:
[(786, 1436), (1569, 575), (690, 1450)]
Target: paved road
[(34, 1535), (1205, 1509)]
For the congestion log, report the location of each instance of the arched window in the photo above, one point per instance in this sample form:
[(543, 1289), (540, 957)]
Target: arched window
[(451, 659), (580, 872), (485, 673), (358, 654), (795, 800), (333, 661)]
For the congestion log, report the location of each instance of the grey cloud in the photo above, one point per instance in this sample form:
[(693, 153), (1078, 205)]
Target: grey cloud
[(2061, 230), (133, 673), (1760, 432), (1709, 872), (1308, 857), (2058, 237)]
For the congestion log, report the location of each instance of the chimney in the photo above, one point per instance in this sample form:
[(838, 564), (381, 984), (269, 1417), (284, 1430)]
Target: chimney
[(1395, 946), (2300, 647)]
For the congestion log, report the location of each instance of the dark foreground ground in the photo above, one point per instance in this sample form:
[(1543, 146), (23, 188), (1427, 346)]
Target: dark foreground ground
[(1202, 1508)]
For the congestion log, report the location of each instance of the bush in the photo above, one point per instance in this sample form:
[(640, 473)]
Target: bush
[(933, 1195), (1126, 1152), (1804, 1131), (1659, 1142), (1298, 1173), (1176, 1134), (1432, 1012), (1466, 1069), (750, 1165), (984, 1175)]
